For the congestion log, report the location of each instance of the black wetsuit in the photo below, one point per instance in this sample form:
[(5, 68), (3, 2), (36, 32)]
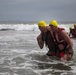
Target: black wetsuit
[(49, 43)]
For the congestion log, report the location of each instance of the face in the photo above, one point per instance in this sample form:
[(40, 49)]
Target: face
[(53, 28), (42, 29)]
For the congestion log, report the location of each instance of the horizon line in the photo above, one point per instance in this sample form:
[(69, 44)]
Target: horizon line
[(29, 22)]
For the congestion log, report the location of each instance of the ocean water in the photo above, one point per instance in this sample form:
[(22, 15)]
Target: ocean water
[(21, 55)]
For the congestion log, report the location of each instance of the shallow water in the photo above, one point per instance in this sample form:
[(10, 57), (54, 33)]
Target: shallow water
[(20, 55)]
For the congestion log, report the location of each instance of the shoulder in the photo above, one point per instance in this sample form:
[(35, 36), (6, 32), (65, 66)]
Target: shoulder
[(48, 28), (64, 33), (61, 28)]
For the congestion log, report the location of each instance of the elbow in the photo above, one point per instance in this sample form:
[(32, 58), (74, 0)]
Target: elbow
[(41, 47)]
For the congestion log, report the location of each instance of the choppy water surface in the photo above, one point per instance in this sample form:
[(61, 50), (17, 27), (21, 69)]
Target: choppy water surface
[(20, 55)]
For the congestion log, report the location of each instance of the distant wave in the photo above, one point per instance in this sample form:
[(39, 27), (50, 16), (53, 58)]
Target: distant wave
[(34, 27), (4, 27)]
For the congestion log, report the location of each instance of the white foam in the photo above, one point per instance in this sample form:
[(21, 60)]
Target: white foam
[(33, 27)]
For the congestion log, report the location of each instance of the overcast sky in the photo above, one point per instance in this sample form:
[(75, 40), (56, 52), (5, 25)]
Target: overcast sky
[(35, 10)]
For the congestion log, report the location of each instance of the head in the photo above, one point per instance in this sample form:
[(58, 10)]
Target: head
[(70, 28), (54, 25), (42, 26), (75, 26)]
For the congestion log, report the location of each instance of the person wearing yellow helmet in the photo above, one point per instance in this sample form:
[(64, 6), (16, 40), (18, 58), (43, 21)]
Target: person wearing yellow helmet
[(56, 39), (54, 23), (70, 28), (75, 26), (45, 37), (42, 26), (42, 23), (62, 40), (72, 32)]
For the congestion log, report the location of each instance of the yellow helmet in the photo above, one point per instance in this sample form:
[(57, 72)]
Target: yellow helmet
[(74, 25), (54, 23), (70, 28), (42, 23)]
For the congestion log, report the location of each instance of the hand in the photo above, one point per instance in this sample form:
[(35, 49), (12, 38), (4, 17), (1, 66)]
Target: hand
[(64, 58)]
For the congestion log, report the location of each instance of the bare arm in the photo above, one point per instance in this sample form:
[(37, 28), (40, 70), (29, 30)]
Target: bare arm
[(67, 39), (69, 42), (69, 52), (40, 41)]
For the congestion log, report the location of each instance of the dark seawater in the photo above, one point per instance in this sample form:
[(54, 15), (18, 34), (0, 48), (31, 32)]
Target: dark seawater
[(21, 55)]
